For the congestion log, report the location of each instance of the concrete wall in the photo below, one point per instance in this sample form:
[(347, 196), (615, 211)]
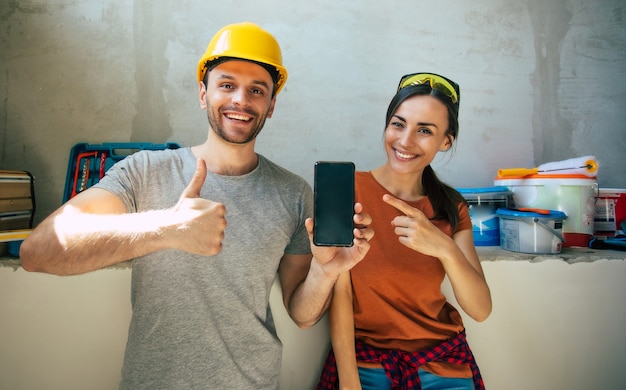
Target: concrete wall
[(542, 80)]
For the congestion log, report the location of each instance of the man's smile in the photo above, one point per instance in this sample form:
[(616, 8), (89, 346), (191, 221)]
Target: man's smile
[(239, 117)]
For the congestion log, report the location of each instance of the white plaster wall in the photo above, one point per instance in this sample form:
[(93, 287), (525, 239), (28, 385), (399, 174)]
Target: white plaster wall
[(60, 333), (554, 325)]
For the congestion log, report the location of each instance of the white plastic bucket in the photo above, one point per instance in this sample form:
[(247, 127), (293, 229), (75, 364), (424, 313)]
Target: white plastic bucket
[(572, 194), (483, 203), (531, 232)]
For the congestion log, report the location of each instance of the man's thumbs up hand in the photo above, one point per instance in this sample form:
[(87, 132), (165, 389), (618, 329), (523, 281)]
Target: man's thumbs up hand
[(199, 223)]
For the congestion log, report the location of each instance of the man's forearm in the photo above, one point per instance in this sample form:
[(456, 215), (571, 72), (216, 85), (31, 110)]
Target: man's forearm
[(312, 298), (71, 242)]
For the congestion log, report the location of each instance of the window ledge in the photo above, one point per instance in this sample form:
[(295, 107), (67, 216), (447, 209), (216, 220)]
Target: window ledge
[(571, 255)]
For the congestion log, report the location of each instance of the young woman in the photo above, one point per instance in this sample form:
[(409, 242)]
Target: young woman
[(391, 326)]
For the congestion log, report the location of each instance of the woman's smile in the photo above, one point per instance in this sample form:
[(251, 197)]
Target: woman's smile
[(404, 155)]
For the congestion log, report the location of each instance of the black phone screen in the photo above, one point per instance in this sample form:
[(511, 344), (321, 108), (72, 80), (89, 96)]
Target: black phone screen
[(333, 203)]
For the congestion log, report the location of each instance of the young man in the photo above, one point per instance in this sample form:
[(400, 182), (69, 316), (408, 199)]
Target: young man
[(208, 227)]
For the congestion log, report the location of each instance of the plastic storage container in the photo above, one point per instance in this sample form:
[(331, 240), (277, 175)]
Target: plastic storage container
[(483, 203), (572, 194), (610, 211), (538, 232)]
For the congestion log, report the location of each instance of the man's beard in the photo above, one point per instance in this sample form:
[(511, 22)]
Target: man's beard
[(216, 124)]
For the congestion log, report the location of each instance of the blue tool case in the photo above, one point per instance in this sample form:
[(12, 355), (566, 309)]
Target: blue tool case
[(89, 162)]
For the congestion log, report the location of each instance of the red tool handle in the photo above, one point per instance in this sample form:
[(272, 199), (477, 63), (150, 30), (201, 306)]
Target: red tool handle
[(103, 160), (77, 170)]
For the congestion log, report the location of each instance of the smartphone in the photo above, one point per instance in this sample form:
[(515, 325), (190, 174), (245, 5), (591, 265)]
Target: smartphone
[(333, 205)]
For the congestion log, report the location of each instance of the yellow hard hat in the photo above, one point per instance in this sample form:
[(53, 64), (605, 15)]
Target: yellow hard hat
[(247, 41)]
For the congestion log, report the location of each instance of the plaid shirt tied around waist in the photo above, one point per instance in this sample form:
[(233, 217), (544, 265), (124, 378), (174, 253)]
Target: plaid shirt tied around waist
[(401, 367)]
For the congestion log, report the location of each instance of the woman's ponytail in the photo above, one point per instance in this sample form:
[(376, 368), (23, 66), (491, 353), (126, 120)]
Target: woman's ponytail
[(444, 199)]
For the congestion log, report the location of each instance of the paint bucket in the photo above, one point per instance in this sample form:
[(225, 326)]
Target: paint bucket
[(483, 203), (572, 194), (538, 232), (610, 211)]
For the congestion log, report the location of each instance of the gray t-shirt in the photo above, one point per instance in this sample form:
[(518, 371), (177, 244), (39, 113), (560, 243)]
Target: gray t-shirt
[(204, 322)]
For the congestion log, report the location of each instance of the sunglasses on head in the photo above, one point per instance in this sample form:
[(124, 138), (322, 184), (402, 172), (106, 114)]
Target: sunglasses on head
[(438, 82)]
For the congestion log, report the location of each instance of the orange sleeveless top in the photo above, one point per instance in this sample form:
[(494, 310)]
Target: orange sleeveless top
[(398, 303)]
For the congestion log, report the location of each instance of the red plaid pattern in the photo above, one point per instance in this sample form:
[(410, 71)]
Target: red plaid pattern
[(401, 367)]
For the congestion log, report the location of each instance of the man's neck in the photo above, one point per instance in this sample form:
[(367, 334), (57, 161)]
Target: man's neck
[(224, 158)]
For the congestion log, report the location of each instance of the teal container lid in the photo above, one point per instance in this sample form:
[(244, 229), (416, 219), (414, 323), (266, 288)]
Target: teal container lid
[(486, 194), (516, 213), (484, 190)]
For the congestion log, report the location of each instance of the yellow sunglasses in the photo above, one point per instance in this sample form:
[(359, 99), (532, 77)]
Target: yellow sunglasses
[(438, 82)]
